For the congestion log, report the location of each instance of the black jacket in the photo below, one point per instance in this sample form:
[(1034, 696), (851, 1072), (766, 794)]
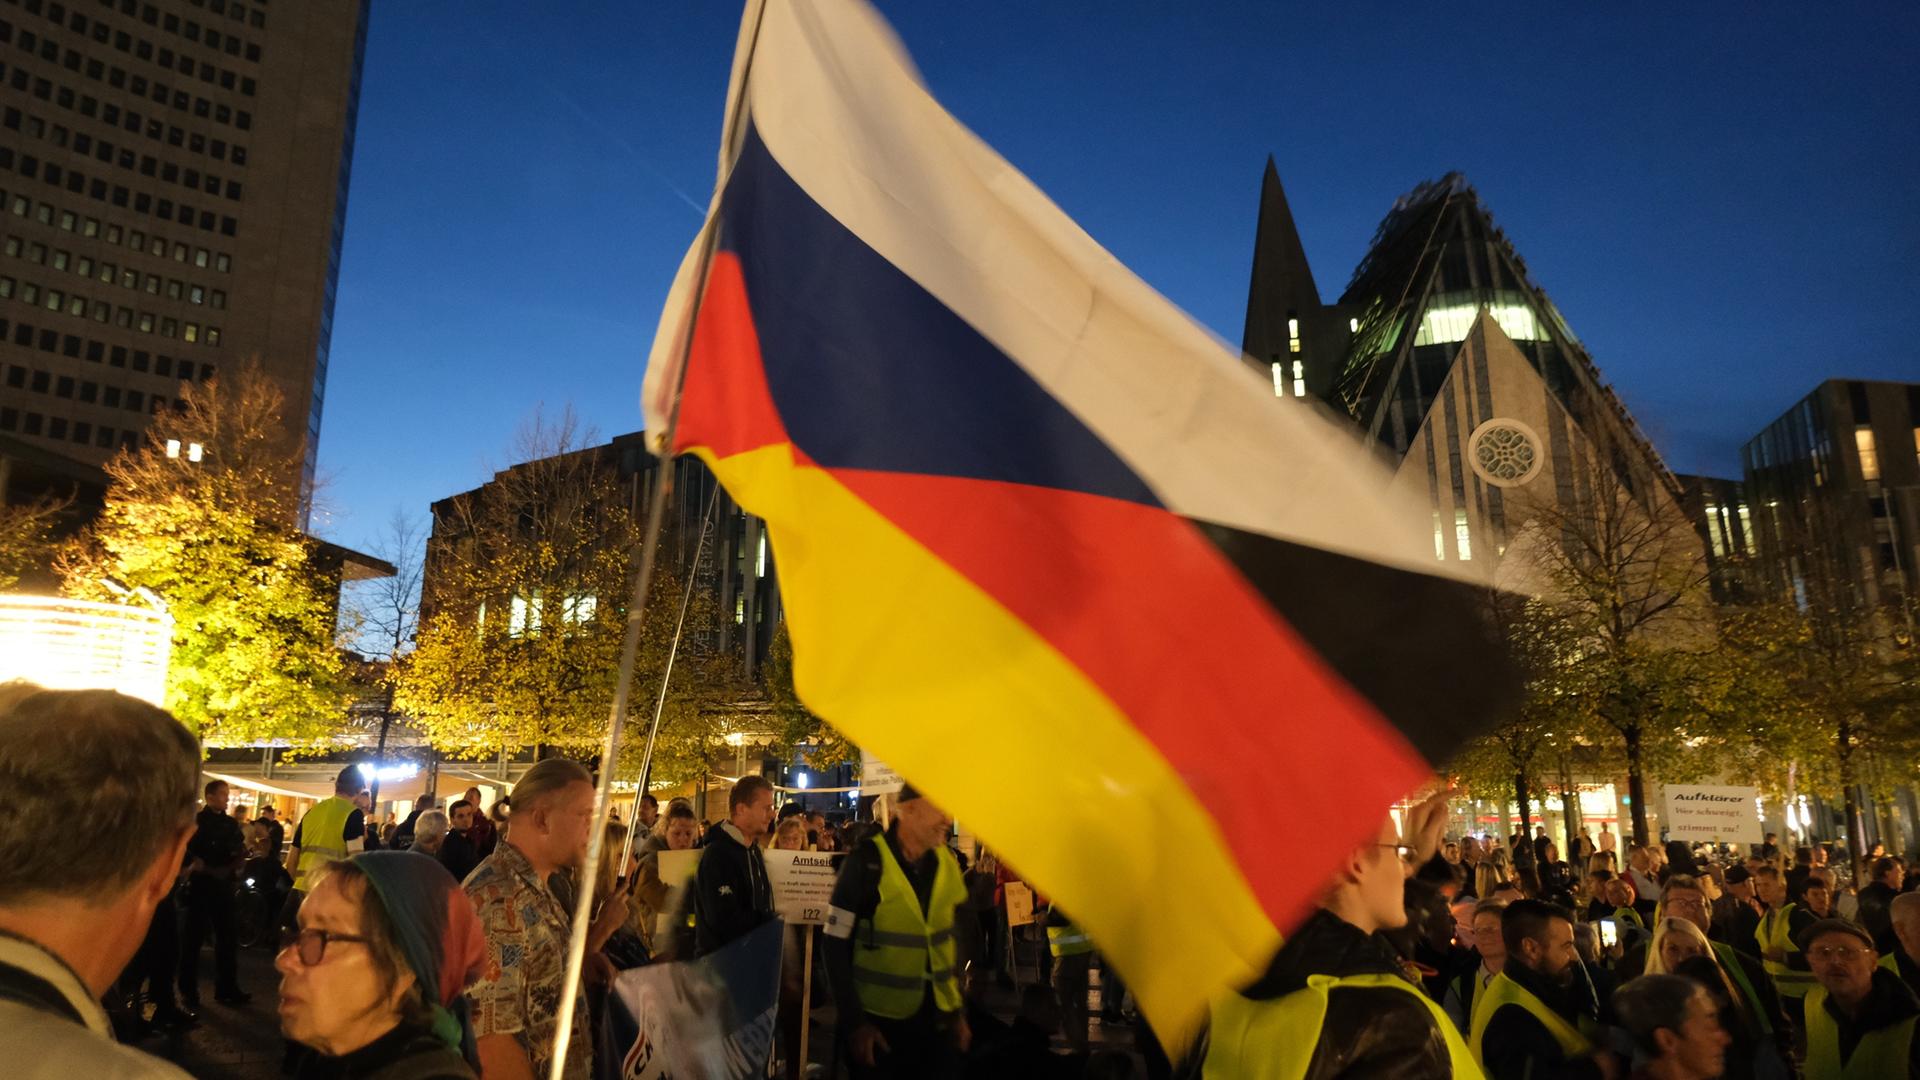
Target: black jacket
[(1368, 1032), (1518, 1047), (457, 855), (731, 893), (1876, 902), (218, 843), (1634, 964), (405, 1053)]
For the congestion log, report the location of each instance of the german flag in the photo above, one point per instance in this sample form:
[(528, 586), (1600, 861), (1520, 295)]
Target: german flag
[(1046, 546)]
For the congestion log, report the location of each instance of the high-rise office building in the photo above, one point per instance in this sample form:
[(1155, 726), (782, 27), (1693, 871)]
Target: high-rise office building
[(1444, 350), (1834, 484), (173, 196)]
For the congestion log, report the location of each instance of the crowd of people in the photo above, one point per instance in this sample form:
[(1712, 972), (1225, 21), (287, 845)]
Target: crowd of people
[(438, 952), (1478, 956)]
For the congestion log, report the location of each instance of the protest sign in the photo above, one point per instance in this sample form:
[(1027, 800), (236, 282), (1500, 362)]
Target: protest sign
[(802, 884), (1718, 815), (877, 777), (677, 867), (1019, 904), (707, 1019)]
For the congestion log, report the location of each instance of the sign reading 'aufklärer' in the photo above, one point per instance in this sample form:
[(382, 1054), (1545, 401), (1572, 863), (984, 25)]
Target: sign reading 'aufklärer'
[(1720, 815)]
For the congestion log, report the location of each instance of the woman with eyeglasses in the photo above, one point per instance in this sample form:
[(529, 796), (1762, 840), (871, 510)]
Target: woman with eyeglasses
[(373, 980)]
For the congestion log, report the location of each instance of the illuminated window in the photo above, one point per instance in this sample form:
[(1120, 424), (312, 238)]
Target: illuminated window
[(1439, 538), (1450, 315), (1869, 456), (760, 560), (523, 619), (1462, 540), (575, 610), (1293, 335), (1353, 326), (1746, 521), (1279, 377), (1715, 531), (1299, 379)]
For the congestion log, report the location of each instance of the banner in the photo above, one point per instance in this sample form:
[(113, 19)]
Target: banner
[(1717, 815), (877, 777), (802, 884), (707, 1019)]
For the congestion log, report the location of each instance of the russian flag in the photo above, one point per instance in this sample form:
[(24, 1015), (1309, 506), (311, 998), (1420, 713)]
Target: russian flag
[(1046, 545)]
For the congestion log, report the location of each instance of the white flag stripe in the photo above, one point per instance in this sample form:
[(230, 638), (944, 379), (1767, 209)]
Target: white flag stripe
[(838, 105)]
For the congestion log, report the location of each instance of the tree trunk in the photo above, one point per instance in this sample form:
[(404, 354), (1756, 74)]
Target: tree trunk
[(1570, 817), (1856, 833), (379, 758), (1636, 786), (1520, 799)]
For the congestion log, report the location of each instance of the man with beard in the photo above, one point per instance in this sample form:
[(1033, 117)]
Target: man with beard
[(1538, 1017)]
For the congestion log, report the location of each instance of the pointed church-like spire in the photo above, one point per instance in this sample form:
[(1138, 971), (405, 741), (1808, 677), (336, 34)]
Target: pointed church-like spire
[(1282, 281)]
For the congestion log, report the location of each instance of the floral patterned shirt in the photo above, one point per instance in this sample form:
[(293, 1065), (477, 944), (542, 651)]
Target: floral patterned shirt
[(518, 992)]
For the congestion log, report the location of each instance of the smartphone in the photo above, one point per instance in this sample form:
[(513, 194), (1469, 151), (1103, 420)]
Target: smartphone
[(1609, 933)]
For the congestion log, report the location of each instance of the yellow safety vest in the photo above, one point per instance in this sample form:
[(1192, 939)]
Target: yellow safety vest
[(1068, 940), (1630, 917), (322, 838), (1880, 1055), (1776, 932), (1503, 991), (1276, 1040), (903, 949)]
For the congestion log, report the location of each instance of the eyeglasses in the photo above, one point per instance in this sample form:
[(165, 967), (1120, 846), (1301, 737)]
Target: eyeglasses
[(1405, 851), (311, 945), (1838, 952)]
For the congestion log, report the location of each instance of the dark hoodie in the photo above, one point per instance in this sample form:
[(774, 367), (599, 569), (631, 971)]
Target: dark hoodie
[(1368, 1031), (731, 893)]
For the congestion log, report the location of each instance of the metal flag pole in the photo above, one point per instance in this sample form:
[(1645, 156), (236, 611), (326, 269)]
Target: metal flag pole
[(643, 580), (666, 677)]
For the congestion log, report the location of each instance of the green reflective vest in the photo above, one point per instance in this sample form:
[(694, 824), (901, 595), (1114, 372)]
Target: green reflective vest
[(1503, 991), (1730, 963), (1880, 1055), (1775, 933), (1068, 940), (903, 949), (322, 839), (1276, 1040)]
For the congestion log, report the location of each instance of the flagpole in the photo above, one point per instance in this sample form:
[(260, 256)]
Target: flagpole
[(673, 651), (636, 606)]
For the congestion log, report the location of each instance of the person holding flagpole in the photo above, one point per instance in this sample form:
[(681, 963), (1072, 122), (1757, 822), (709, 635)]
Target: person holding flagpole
[(1334, 1001), (890, 948)]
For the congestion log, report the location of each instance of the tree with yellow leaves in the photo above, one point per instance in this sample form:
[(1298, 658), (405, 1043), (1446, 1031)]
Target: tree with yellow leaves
[(204, 514)]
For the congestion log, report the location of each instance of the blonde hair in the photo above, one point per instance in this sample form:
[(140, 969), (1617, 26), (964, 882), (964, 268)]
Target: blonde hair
[(1656, 963), (609, 873), (793, 826)]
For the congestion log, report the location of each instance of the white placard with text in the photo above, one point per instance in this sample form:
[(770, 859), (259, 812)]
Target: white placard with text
[(802, 884), (1715, 814)]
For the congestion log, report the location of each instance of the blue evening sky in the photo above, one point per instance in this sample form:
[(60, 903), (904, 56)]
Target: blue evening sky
[(1724, 204)]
